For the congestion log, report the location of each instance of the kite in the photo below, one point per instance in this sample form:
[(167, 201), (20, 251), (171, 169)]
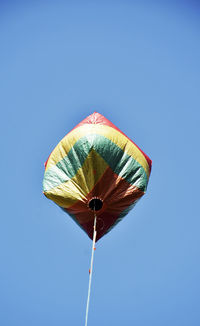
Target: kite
[(96, 174), (96, 168)]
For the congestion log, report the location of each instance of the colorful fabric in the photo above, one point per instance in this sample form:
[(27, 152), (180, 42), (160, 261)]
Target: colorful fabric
[(96, 168)]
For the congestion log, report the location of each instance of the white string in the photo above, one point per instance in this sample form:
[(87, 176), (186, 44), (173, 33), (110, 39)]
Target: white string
[(91, 268)]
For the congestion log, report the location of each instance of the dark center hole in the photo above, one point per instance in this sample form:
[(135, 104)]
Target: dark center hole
[(95, 204)]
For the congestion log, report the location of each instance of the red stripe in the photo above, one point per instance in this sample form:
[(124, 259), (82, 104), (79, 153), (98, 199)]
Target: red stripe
[(116, 194)]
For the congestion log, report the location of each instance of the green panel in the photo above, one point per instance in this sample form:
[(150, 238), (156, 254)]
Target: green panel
[(121, 163)]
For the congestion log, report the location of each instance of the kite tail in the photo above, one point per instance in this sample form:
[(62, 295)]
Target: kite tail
[(91, 268)]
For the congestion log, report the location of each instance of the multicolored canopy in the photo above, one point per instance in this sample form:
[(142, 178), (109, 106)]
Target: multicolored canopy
[(96, 167)]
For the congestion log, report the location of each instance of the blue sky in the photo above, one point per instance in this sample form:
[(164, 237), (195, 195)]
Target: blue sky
[(138, 64)]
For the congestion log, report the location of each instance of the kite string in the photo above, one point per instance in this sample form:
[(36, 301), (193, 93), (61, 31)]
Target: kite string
[(91, 268)]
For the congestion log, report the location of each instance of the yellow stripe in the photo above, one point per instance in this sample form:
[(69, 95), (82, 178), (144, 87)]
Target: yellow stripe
[(64, 146), (77, 188)]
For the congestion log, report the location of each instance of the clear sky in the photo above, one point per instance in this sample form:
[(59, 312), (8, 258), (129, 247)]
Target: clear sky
[(138, 64)]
